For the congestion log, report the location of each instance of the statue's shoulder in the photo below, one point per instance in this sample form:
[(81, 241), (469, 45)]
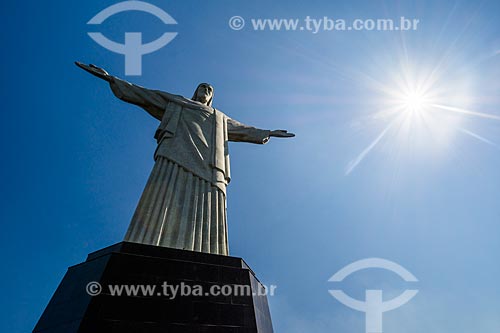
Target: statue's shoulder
[(220, 112), (172, 97), (183, 101)]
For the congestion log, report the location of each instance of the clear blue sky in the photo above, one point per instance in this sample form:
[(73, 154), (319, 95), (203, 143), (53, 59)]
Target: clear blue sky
[(361, 179)]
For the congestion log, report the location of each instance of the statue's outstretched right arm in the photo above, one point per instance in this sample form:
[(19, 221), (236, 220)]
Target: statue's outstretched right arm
[(150, 100)]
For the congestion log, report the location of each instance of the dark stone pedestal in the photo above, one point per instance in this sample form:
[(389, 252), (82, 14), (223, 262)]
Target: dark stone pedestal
[(72, 309)]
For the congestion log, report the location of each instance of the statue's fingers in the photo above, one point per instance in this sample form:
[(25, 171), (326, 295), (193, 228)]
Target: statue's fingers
[(88, 69), (81, 65), (98, 69)]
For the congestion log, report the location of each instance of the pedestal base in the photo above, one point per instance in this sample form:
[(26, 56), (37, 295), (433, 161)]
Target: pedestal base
[(149, 306)]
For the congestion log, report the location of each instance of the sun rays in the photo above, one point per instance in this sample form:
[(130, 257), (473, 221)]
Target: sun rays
[(421, 102), (417, 107)]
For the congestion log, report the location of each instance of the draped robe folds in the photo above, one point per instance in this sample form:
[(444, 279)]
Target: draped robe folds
[(184, 202)]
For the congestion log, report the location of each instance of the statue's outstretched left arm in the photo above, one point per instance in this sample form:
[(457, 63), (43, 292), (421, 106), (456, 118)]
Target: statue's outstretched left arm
[(243, 133)]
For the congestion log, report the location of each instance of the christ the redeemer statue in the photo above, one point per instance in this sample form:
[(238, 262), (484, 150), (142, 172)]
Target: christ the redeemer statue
[(184, 203)]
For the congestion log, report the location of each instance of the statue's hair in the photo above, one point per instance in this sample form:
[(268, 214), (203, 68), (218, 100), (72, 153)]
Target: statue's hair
[(211, 98)]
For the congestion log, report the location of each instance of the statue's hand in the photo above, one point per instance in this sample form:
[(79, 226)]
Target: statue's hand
[(94, 70), (281, 134)]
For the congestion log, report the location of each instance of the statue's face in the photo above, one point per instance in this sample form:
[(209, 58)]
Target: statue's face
[(204, 93)]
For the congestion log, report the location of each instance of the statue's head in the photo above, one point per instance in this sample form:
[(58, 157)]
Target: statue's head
[(204, 94)]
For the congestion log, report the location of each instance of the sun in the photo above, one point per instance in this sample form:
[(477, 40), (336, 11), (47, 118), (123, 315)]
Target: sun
[(422, 112), (414, 102)]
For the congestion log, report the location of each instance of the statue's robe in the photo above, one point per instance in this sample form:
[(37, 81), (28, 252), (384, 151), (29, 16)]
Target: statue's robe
[(184, 203)]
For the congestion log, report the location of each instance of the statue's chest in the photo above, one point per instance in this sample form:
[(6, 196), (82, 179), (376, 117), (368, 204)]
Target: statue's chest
[(198, 118), (198, 122)]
